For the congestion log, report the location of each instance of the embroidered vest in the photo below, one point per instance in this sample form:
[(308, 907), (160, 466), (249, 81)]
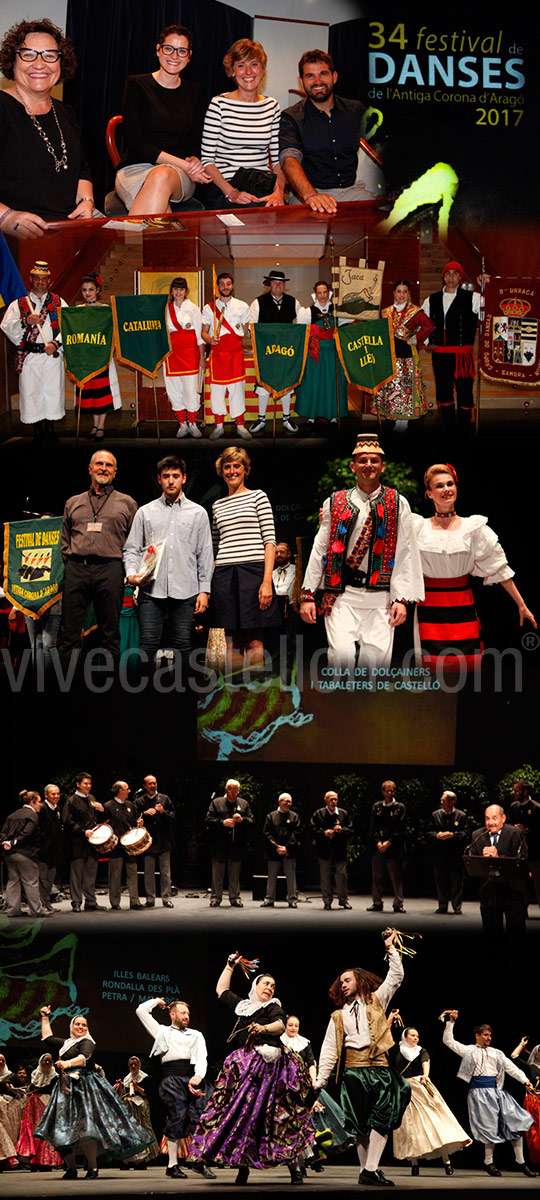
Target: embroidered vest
[(381, 1038), (49, 308), (269, 313), (377, 538), (459, 329)]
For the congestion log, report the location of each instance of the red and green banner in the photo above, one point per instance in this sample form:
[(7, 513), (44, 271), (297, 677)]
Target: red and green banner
[(510, 350), (87, 337), (33, 564), (367, 352), (140, 331), (279, 353)]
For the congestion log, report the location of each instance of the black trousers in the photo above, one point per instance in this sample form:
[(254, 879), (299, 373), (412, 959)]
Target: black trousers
[(444, 367), (449, 881), (100, 581)]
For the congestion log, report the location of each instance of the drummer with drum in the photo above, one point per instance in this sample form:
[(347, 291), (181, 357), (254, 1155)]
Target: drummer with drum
[(82, 813), (129, 840)]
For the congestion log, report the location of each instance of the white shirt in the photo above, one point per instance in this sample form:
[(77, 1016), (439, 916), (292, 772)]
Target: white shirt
[(283, 580), (189, 317), (448, 298), (14, 329), (407, 581), (470, 549), (487, 1059), (236, 312), (182, 1043), (358, 1039)]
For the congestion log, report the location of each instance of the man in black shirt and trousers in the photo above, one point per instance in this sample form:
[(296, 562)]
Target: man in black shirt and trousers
[(387, 833), (332, 827), (122, 816), (20, 842), (228, 820), (448, 835), (158, 813), (281, 830), (51, 842), (82, 812)]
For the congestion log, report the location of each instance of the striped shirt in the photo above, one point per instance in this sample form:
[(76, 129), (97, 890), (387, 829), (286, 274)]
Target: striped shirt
[(239, 134), (242, 525)]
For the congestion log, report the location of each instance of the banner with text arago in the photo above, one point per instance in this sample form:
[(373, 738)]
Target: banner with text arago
[(279, 353), (367, 353), (140, 331), (33, 564), (510, 350), (87, 337)]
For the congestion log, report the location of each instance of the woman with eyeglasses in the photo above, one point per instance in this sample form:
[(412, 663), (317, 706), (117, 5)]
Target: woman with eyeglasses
[(42, 167), (162, 125)]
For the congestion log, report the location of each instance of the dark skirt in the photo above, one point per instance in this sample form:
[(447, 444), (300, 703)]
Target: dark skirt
[(448, 626), (87, 1108), (373, 1098), (259, 1112), (235, 599), (96, 396), (331, 1117), (140, 1113)]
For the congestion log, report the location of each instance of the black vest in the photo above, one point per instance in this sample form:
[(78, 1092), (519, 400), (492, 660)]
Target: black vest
[(460, 319), (270, 314)]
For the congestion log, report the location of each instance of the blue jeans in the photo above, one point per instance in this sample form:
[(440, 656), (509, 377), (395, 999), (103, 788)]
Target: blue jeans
[(152, 613)]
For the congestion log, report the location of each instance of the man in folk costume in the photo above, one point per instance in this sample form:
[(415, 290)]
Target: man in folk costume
[(272, 308), (224, 324), (454, 311), (183, 1056), (31, 323), (373, 1095), (494, 1115), (366, 560), (186, 360)]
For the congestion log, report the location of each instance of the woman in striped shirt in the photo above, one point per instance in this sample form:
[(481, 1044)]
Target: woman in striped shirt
[(244, 603), (241, 130)]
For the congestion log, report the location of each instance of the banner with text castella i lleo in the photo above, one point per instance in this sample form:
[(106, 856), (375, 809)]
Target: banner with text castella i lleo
[(367, 352), (33, 564), (87, 337), (140, 331), (279, 352), (510, 351)]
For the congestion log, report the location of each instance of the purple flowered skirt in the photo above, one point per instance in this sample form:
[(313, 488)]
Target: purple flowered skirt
[(259, 1112)]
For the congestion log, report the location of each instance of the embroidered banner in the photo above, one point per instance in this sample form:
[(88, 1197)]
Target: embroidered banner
[(33, 564), (367, 353), (140, 331), (279, 353), (510, 351), (87, 337), (359, 290)]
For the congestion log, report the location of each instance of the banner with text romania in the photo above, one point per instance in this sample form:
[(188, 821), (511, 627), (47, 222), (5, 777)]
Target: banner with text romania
[(33, 564), (140, 331), (280, 353), (367, 353), (87, 336)]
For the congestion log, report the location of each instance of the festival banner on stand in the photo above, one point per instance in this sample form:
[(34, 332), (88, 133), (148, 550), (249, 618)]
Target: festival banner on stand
[(140, 331), (367, 353), (33, 564), (279, 353), (510, 351), (87, 337)]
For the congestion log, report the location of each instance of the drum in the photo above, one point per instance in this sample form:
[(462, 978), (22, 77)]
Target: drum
[(136, 841), (103, 839)]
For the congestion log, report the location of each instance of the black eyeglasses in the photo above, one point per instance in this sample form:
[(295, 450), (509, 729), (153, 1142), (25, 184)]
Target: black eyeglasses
[(168, 51), (48, 56)]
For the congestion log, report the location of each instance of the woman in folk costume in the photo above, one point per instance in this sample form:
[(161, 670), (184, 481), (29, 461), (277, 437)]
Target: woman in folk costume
[(530, 1064), (316, 394), (428, 1129), (133, 1095), (84, 1114), (186, 360), (403, 398), (11, 1109), (101, 394), (447, 629), (327, 1118), (259, 1113), (40, 1153)]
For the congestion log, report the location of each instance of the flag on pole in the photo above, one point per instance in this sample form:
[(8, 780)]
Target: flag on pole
[(140, 331), (11, 284), (279, 352), (367, 353), (87, 338), (33, 564)]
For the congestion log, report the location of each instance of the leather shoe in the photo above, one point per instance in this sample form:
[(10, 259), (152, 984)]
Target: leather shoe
[(293, 904), (92, 1173), (136, 906), (491, 1169), (375, 908), (525, 1170), (242, 1177), (76, 907), (384, 1179), (70, 1174), (236, 904), (296, 1174), (328, 906), (150, 904), (457, 911), (215, 903), (267, 904), (442, 911), (415, 1169), (344, 904), (176, 1172), (448, 1168), (372, 1178), (94, 908), (167, 904), (201, 1168), (400, 909)]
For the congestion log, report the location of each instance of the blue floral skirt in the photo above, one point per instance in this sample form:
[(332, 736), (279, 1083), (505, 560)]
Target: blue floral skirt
[(84, 1107)]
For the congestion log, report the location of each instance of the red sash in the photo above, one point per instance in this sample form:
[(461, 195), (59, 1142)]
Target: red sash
[(227, 358)]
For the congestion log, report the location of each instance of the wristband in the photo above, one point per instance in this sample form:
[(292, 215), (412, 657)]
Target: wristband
[(6, 214), (231, 193), (83, 198)]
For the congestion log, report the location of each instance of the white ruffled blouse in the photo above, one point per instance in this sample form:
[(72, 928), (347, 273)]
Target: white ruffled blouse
[(471, 549)]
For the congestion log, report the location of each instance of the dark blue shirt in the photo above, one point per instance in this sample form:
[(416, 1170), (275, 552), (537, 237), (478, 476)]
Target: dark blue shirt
[(326, 143)]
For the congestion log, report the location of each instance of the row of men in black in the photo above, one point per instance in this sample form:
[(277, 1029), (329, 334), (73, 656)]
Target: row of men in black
[(39, 850)]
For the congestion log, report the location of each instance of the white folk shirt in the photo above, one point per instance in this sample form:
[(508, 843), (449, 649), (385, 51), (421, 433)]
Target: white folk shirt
[(283, 580), (182, 1043), (358, 1039), (407, 581), (188, 317), (42, 379), (448, 298), (235, 312)]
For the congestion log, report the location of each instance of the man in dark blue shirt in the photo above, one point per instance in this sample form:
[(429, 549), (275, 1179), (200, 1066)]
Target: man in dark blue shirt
[(320, 146)]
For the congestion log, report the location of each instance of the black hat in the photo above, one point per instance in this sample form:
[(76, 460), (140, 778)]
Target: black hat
[(275, 275)]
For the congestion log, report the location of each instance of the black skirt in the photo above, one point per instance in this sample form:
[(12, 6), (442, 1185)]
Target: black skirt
[(235, 599)]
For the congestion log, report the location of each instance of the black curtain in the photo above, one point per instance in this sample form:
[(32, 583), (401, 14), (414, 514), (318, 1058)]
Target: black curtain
[(346, 42), (117, 38)]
